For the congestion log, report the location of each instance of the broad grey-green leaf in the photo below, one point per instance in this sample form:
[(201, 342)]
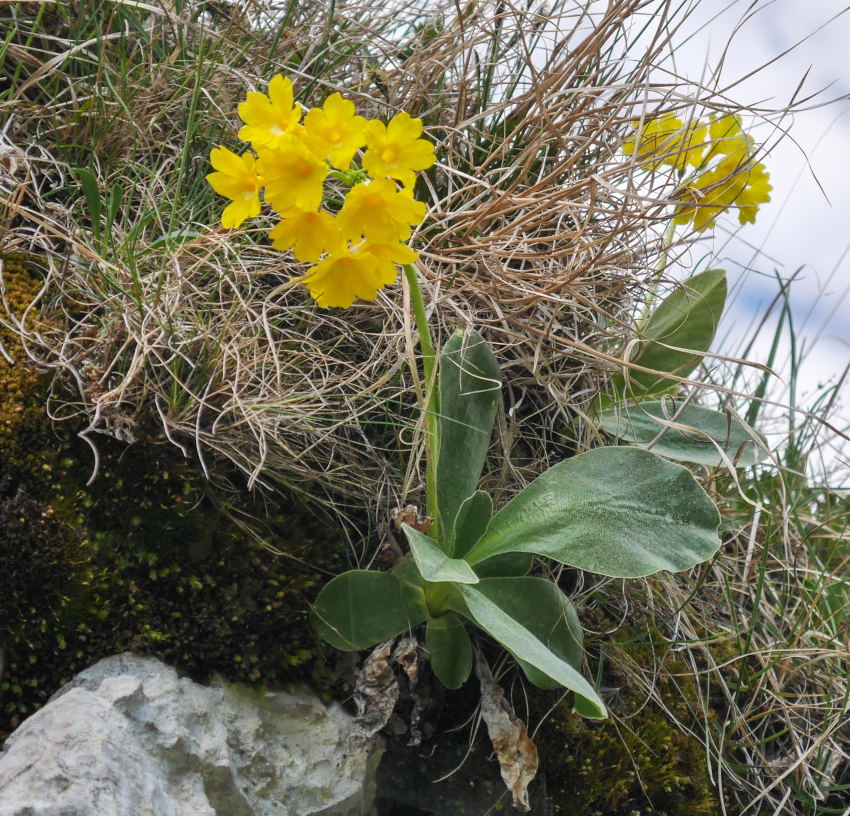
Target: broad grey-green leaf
[(522, 643), (507, 565), (692, 442), (623, 512), (471, 522), (449, 650), (686, 319), (434, 565), (360, 608), (408, 571), (539, 606), (469, 383)]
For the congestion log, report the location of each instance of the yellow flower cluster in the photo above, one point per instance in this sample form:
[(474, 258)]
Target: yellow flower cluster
[(721, 154), (355, 250)]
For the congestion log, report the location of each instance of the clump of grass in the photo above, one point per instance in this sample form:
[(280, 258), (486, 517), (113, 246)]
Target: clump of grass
[(540, 234), (535, 233)]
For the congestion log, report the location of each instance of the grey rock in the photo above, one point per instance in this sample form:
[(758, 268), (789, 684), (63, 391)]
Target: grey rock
[(127, 737)]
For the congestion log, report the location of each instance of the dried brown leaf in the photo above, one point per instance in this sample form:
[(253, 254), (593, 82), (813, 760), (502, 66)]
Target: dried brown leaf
[(376, 692), (516, 753)]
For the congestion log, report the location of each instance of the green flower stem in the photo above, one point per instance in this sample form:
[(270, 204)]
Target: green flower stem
[(430, 408)]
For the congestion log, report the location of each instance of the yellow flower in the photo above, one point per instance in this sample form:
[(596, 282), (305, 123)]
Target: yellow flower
[(390, 254), (347, 274), (237, 179), (335, 131), (755, 193), (266, 120), (728, 139), (397, 151), (308, 234), (293, 175), (379, 212), (667, 140), (715, 191)]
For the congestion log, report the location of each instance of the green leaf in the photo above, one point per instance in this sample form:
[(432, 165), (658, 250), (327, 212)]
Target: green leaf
[(434, 565), (449, 650), (623, 512), (408, 571), (522, 643), (360, 608), (640, 425), (584, 707), (539, 606), (91, 190), (471, 522), (469, 382), (686, 319), (507, 565)]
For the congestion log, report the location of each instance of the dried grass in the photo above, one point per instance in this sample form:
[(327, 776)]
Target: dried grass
[(540, 234)]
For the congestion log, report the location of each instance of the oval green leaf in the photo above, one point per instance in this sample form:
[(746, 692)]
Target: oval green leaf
[(622, 512), (523, 644), (471, 522), (685, 321), (539, 606), (696, 438), (449, 650), (507, 565), (434, 565), (360, 608), (469, 383)]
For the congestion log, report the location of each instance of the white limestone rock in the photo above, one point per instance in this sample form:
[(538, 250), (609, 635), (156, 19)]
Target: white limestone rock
[(128, 738)]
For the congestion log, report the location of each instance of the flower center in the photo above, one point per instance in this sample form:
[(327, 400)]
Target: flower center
[(249, 184), (335, 136), (389, 155), (372, 201), (304, 170), (283, 123)]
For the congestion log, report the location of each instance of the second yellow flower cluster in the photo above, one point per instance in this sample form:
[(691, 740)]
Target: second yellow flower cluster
[(364, 241), (720, 153)]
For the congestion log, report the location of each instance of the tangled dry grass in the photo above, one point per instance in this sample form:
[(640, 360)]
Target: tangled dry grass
[(536, 233), (541, 234)]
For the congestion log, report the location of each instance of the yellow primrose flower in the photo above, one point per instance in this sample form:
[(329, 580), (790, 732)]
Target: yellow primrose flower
[(668, 140), (268, 120), (396, 150), (308, 234), (391, 254), (755, 193), (334, 130), (712, 193), (346, 274), (728, 139), (237, 179), (379, 212), (293, 175)]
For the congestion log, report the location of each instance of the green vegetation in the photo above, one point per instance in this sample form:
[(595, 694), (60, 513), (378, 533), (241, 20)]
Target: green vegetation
[(168, 343), (151, 560)]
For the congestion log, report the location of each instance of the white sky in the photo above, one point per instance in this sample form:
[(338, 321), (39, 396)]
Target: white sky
[(807, 223)]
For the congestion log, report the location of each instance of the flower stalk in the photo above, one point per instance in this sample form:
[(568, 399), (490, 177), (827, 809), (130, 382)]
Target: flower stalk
[(430, 406)]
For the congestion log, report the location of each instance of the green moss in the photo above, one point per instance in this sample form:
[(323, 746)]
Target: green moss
[(637, 760), (148, 559)]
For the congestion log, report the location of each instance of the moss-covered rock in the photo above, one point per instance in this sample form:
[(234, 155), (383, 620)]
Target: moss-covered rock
[(148, 559), (639, 760)]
